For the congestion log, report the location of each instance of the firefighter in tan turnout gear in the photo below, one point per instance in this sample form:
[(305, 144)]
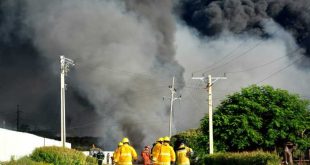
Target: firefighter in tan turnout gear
[(157, 146), (125, 154), (113, 156), (165, 155), (183, 154)]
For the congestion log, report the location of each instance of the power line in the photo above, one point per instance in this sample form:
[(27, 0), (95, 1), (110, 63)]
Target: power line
[(210, 68), (242, 54), (218, 61), (258, 66), (282, 69), (126, 72)]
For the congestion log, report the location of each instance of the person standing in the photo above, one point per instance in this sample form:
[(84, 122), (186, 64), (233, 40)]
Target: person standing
[(183, 154), (126, 154), (146, 155), (108, 158), (100, 157), (157, 145), (113, 156), (166, 154), (156, 148)]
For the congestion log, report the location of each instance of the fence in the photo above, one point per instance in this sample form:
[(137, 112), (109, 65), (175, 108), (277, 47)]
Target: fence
[(18, 144)]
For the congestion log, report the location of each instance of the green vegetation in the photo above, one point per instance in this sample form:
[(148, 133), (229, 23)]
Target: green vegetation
[(58, 156), (24, 161), (54, 156), (243, 158), (91, 160), (193, 138), (260, 117), (256, 118)]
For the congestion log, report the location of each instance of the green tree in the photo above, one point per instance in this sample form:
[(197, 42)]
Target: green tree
[(260, 117), (193, 138)]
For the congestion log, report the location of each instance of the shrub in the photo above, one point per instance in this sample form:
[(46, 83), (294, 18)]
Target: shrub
[(243, 158), (193, 138), (58, 156), (24, 161), (91, 160)]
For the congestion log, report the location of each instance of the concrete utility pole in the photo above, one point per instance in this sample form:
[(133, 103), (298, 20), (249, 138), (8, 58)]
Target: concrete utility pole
[(172, 99), (17, 117), (64, 68), (210, 81)]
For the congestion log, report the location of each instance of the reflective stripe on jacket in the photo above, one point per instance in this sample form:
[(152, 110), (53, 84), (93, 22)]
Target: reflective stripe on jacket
[(182, 156), (155, 151), (125, 155), (165, 155)]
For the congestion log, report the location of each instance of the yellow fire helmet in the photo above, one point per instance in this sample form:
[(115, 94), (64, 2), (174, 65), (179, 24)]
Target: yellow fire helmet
[(120, 144), (167, 139), (160, 139), (125, 140)]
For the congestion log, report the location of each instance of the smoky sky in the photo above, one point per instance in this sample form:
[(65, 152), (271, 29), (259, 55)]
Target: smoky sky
[(123, 51), (211, 17), (126, 53)]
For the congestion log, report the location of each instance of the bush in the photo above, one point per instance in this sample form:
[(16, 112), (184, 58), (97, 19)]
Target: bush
[(244, 158), (194, 139), (91, 160), (58, 156), (24, 161)]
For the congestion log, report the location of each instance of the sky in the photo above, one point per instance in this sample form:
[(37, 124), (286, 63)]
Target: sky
[(126, 53)]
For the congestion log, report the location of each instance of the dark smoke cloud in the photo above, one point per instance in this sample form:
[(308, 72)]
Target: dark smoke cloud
[(123, 51), (159, 15), (211, 17), (125, 58)]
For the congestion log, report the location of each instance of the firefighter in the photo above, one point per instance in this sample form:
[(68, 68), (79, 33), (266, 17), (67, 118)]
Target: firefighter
[(157, 145), (113, 156), (166, 154), (146, 155), (183, 154), (125, 154), (100, 157)]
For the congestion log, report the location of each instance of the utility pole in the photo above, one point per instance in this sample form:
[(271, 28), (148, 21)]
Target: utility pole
[(64, 69), (17, 117), (210, 81), (172, 99)]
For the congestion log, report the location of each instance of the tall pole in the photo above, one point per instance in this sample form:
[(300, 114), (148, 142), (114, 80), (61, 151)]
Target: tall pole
[(172, 99), (17, 117), (172, 89), (210, 82), (209, 86), (62, 102), (64, 68)]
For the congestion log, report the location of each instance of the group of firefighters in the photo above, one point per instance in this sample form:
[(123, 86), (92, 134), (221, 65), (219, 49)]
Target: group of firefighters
[(160, 154)]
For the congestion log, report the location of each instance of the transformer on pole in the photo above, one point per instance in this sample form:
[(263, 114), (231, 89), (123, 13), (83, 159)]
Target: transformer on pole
[(64, 69)]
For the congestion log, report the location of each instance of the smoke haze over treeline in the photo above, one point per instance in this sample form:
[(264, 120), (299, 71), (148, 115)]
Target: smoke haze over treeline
[(126, 53)]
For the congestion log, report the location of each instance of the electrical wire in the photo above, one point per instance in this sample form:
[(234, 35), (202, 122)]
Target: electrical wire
[(240, 55), (282, 69), (229, 54), (258, 66)]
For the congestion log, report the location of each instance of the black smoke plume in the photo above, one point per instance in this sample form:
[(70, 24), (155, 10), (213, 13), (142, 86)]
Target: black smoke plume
[(211, 17), (123, 51)]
